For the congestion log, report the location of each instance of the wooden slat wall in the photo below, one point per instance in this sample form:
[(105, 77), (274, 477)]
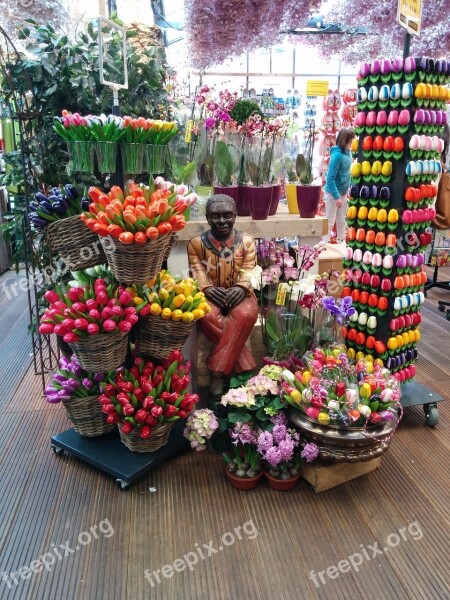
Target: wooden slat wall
[(187, 502)]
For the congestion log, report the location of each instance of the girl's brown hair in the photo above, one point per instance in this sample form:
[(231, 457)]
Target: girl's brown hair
[(345, 135)]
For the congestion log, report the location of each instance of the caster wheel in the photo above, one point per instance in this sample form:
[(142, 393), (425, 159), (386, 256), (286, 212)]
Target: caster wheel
[(57, 450), (122, 484), (431, 414), (441, 307), (447, 316)]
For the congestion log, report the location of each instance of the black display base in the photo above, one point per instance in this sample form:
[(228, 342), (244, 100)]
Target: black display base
[(108, 454), (415, 393)]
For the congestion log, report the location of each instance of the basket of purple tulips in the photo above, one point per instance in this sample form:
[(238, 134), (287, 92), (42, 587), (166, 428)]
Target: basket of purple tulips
[(78, 390)]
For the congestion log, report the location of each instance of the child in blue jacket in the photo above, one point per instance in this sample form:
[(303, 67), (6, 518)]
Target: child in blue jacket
[(338, 182)]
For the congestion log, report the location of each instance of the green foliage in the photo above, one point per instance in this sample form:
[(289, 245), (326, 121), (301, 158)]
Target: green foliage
[(299, 171), (243, 109), (227, 162), (65, 75)]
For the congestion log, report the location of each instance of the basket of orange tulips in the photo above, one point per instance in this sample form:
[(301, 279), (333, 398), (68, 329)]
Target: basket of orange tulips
[(136, 226)]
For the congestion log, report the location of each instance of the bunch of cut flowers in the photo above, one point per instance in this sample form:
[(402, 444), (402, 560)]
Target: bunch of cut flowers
[(71, 381)]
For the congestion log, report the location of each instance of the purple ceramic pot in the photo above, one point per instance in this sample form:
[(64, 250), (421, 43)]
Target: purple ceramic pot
[(276, 193), (308, 198), (243, 202), (260, 199), (228, 190)]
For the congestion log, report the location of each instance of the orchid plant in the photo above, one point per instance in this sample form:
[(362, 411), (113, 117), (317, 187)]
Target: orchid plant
[(289, 296), (339, 313)]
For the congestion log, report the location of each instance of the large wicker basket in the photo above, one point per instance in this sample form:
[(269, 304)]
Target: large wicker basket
[(172, 241), (158, 439), (135, 263), (103, 352), (87, 417), (75, 243), (157, 337)]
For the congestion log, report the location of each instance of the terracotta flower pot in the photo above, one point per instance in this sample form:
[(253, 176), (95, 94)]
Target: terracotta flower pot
[(243, 483), (276, 192), (308, 198), (282, 485)]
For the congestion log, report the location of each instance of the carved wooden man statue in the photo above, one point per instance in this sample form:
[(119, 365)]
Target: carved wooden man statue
[(220, 259)]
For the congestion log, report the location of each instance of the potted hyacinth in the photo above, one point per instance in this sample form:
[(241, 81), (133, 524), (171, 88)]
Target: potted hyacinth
[(283, 455)]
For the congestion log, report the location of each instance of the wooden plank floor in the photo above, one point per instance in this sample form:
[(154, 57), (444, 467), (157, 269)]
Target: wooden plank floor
[(98, 540)]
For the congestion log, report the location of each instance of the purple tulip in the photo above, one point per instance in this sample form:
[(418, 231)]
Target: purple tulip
[(53, 398), (419, 116), (438, 66), (438, 117), (49, 389), (99, 377), (444, 115), (397, 65), (375, 67), (432, 117), (59, 377), (420, 259), (444, 66), (412, 261), (386, 66), (74, 383), (410, 64), (64, 363), (67, 388), (386, 415), (364, 70), (88, 384), (77, 371), (423, 65), (427, 117), (401, 261), (402, 358)]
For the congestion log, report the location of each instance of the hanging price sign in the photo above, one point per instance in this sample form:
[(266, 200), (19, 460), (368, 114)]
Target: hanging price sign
[(409, 15)]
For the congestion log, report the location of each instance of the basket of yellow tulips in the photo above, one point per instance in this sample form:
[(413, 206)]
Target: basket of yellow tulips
[(169, 307)]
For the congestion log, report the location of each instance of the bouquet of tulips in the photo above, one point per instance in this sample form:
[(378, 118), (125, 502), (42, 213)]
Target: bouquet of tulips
[(60, 203), (139, 214), (90, 310), (334, 391), (148, 395), (170, 298), (71, 381)]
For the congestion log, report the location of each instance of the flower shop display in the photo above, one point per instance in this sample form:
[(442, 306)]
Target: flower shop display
[(168, 307), (146, 400), (135, 226), (402, 109), (94, 320), (78, 391), (255, 430), (143, 142), (289, 299), (57, 213)]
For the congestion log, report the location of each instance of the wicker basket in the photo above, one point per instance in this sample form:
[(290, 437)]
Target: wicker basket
[(103, 352), (75, 243), (173, 240), (135, 263), (157, 337), (158, 439), (87, 417)]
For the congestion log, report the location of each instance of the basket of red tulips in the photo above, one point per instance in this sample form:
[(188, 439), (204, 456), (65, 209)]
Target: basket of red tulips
[(146, 400)]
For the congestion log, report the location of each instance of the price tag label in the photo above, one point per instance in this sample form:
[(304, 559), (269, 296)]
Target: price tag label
[(188, 134), (281, 295)]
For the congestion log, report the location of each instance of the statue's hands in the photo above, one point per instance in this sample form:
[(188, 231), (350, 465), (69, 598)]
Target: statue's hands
[(218, 295), (235, 295)]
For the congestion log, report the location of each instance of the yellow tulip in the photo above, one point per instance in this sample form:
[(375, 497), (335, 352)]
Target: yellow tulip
[(205, 307), (351, 353), (379, 362), (392, 343), (137, 300), (373, 212), (198, 314), (362, 213), (393, 216), (166, 313), (155, 309), (177, 315), (178, 301), (355, 144), (377, 168), (382, 215), (420, 90), (417, 334), (369, 367), (356, 170), (359, 355), (306, 377), (323, 418), (365, 390), (365, 168), (296, 396), (187, 317)]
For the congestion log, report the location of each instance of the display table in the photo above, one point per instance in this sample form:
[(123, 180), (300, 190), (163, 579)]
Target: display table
[(107, 453)]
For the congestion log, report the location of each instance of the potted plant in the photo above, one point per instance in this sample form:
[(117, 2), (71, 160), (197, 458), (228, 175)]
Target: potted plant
[(248, 405), (228, 154), (283, 454)]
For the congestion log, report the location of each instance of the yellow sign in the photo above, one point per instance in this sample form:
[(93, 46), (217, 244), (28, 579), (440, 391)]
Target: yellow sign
[(316, 87), (409, 15)]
